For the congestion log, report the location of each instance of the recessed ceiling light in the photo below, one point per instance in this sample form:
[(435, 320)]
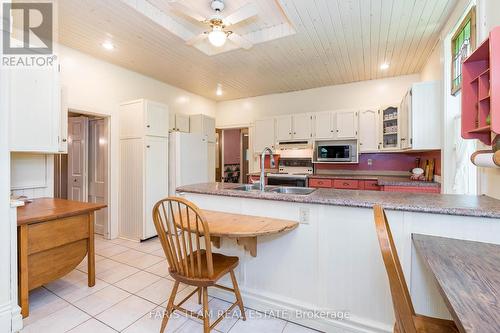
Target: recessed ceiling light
[(384, 66), (218, 92), (108, 46)]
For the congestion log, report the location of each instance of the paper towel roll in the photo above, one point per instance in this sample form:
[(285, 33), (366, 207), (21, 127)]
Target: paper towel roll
[(486, 159)]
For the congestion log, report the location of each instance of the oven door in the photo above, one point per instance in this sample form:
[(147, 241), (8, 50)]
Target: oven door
[(334, 153), (286, 181)]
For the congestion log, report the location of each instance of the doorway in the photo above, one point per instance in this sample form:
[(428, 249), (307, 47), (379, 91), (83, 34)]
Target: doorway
[(82, 174), (234, 154)]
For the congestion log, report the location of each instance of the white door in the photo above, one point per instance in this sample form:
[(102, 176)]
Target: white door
[(182, 123), (263, 135), (347, 124), (98, 170), (77, 158), (323, 125), (284, 128), (157, 119), (156, 179), (302, 127), (368, 131)]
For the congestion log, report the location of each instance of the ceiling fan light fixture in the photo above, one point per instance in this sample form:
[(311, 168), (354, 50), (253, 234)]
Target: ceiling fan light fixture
[(217, 36)]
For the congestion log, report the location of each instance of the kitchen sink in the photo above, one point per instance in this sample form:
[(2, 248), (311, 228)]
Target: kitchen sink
[(247, 187), (293, 190)]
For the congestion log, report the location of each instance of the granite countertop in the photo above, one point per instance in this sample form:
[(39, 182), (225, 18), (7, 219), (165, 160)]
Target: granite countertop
[(462, 205), (382, 180)]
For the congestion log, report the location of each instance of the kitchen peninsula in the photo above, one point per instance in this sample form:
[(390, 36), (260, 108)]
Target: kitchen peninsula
[(336, 253)]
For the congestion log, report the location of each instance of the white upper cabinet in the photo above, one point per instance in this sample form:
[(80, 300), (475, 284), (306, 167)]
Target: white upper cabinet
[(294, 127), (425, 110), (346, 124), (153, 116), (284, 128), (323, 125), (405, 122), (263, 135), (204, 125), (182, 123), (368, 131), (390, 123), (302, 127), (35, 109)]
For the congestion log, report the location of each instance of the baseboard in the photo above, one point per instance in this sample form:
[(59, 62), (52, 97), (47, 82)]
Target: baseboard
[(276, 307), (10, 318)]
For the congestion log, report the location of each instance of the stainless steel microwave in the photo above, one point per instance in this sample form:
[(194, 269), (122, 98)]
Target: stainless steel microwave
[(336, 151)]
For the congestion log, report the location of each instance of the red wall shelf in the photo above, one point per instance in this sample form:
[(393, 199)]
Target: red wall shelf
[(481, 90)]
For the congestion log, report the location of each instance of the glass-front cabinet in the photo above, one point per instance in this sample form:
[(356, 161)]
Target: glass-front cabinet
[(390, 128)]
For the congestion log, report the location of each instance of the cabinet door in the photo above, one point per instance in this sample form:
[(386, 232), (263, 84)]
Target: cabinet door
[(263, 135), (157, 118), (284, 128), (209, 128), (156, 179), (34, 110), (368, 130), (347, 124), (389, 133), (182, 123), (302, 127), (63, 129), (323, 125), (404, 128)]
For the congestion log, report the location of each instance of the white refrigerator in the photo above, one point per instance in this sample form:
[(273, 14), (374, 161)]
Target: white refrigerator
[(188, 160)]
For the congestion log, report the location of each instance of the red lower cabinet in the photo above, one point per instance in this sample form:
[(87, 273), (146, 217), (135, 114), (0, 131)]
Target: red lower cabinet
[(371, 185), (412, 189), (346, 184), (320, 183)]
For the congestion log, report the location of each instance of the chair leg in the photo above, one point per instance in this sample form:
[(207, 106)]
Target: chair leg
[(199, 295), (396, 328), (170, 307), (206, 312), (238, 295)]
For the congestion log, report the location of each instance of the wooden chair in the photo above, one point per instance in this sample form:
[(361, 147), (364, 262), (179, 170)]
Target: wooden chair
[(185, 238), (406, 319)]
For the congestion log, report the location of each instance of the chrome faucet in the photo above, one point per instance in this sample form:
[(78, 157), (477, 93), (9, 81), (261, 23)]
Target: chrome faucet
[(262, 182)]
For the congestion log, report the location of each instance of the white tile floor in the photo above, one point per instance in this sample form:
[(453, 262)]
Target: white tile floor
[(131, 291)]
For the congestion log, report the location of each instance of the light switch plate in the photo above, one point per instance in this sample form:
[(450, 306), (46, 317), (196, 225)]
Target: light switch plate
[(304, 215)]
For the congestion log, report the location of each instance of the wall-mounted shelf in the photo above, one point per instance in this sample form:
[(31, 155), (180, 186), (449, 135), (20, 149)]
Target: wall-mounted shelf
[(481, 90)]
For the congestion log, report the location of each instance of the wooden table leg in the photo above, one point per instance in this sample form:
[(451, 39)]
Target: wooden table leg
[(23, 269), (91, 252)]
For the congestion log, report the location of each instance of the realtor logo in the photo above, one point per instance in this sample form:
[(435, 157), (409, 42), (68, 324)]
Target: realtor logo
[(33, 23)]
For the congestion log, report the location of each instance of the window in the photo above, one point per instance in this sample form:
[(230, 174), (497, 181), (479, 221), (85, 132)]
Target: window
[(462, 45)]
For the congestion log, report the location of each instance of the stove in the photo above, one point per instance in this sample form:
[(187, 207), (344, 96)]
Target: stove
[(292, 172)]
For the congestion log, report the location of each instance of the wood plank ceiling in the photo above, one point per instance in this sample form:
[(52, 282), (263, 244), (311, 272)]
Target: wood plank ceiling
[(336, 41)]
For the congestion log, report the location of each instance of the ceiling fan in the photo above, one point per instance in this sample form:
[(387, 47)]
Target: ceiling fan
[(218, 33)]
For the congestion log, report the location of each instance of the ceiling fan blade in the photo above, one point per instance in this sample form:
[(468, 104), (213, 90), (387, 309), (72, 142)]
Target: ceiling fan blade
[(187, 11), (240, 41), (197, 39), (245, 12)]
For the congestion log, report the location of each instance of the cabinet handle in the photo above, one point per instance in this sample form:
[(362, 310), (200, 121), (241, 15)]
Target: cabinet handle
[(331, 131), (64, 140), (148, 126), (148, 146), (346, 184)]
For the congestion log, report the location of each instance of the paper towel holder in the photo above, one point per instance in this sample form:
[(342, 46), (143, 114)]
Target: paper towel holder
[(486, 158)]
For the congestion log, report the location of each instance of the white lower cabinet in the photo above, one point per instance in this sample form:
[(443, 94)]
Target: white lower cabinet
[(143, 181)]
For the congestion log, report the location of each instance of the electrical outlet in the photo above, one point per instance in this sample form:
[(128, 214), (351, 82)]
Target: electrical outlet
[(304, 215), (370, 162)]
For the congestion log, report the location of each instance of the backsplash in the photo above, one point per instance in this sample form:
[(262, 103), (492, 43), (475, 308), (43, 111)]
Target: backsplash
[(387, 162)]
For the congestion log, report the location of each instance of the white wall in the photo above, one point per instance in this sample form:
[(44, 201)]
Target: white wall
[(365, 94), (98, 87)]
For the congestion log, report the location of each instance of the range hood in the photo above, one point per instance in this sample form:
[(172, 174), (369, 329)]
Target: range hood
[(289, 145)]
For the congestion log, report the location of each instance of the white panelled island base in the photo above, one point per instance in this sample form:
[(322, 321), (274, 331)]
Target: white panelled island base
[(328, 273)]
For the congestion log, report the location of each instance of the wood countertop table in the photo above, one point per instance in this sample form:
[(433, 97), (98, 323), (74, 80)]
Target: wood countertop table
[(54, 236), (468, 277), (244, 228)]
